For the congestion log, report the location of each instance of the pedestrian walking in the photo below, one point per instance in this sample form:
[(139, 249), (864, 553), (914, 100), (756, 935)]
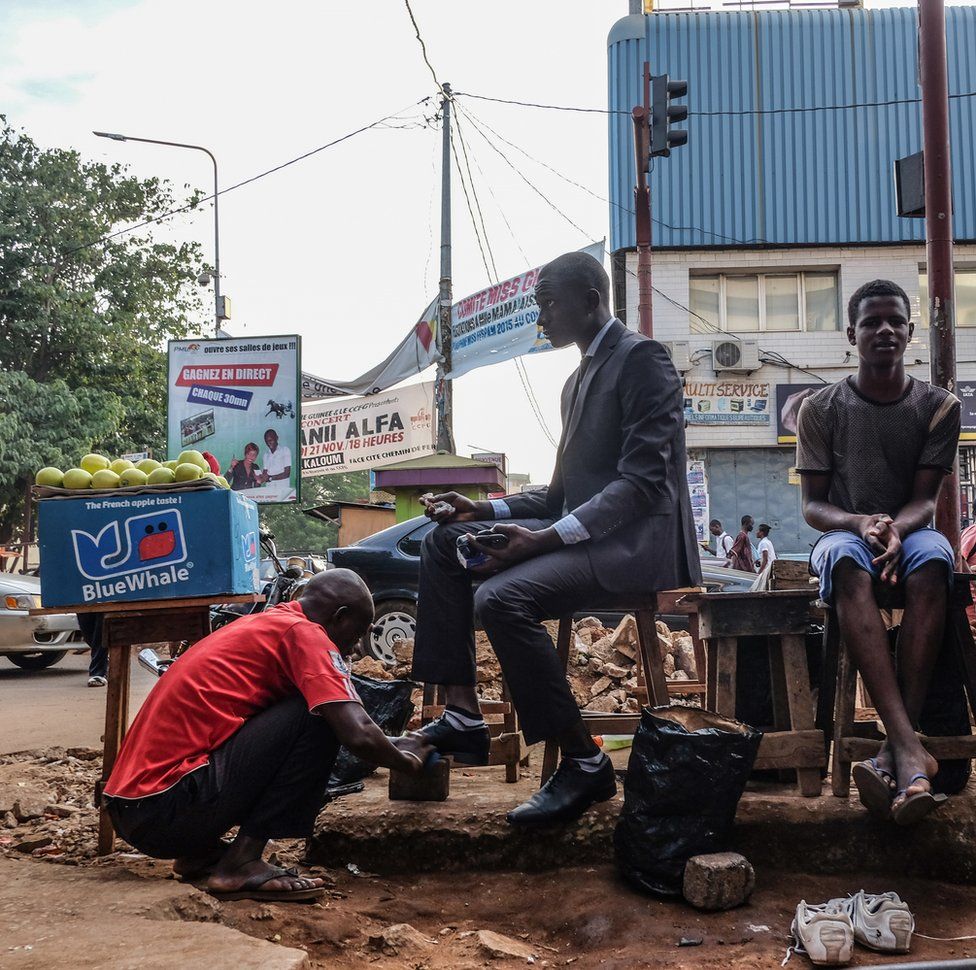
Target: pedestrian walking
[(723, 541), (767, 553), (741, 555)]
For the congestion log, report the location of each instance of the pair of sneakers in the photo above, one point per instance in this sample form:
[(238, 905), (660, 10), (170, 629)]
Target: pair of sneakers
[(827, 932)]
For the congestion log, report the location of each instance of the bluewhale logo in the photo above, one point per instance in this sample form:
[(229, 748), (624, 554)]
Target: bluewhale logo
[(150, 540), (249, 544)]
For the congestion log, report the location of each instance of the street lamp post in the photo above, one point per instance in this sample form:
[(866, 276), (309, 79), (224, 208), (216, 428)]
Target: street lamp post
[(218, 303)]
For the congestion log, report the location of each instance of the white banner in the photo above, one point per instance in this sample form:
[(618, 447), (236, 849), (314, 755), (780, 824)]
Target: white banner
[(414, 354), (499, 323), (360, 433)]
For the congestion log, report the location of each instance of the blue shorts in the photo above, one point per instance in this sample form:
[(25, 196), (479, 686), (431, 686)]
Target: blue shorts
[(917, 548)]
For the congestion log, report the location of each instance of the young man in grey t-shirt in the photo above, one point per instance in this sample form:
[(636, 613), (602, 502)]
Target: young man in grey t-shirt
[(872, 451)]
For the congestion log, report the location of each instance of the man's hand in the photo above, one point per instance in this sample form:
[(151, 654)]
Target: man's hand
[(890, 557), (873, 530), (416, 751), (449, 507), (522, 544)]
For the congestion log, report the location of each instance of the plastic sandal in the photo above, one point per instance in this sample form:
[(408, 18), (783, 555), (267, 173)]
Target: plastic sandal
[(913, 808), (875, 787)]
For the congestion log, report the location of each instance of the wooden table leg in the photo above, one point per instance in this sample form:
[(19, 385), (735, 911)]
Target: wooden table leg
[(550, 754), (802, 717), (711, 666), (726, 660), (116, 722)]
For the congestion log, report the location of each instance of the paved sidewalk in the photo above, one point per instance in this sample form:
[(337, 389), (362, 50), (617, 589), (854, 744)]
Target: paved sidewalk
[(56, 916)]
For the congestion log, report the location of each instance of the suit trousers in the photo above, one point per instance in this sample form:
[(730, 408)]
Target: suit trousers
[(510, 606)]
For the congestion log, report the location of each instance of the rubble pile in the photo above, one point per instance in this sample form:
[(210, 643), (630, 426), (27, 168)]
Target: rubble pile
[(602, 663), (46, 808)]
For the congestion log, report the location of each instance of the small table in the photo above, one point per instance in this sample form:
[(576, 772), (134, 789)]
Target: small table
[(126, 625)]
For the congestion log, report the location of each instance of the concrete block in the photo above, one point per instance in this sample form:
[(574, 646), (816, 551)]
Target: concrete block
[(719, 880), (434, 785)]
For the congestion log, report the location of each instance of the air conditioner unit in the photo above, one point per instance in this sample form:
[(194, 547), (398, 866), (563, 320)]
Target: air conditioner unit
[(735, 355), (680, 353)]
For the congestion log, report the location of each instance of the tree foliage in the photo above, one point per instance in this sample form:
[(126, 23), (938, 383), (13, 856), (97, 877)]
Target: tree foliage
[(296, 532), (83, 318)]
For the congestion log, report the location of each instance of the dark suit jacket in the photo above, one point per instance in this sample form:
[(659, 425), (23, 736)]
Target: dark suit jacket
[(621, 468)]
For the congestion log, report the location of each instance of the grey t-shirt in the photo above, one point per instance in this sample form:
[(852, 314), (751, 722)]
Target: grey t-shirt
[(872, 449)]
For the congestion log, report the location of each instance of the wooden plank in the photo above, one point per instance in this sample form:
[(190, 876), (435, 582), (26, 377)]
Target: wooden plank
[(505, 750), (755, 614), (942, 749), (487, 707), (791, 749), (791, 574), (190, 623), (144, 606), (510, 724), (650, 658), (840, 769), (726, 659), (116, 720), (610, 723)]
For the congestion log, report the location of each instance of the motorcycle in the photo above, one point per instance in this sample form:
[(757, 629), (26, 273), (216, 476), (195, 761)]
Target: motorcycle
[(288, 582)]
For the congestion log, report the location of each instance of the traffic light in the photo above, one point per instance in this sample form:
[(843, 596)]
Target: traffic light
[(663, 113)]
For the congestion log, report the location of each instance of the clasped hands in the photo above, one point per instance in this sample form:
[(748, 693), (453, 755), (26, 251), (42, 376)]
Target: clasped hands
[(881, 534), (523, 543)]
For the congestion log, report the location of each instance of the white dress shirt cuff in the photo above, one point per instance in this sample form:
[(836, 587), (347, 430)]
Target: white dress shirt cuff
[(571, 530), (500, 508)]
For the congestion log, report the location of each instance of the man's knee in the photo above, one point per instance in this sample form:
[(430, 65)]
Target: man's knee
[(930, 578), (850, 581), (496, 600)]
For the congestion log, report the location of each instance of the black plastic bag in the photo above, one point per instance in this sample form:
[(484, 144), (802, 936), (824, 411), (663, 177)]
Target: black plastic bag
[(685, 776), (388, 703)]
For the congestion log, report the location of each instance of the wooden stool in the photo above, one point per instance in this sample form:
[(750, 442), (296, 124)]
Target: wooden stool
[(857, 740), (506, 742), (650, 672), (783, 617)]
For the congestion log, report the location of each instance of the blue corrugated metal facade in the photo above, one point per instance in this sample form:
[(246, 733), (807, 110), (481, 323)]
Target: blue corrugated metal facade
[(754, 172)]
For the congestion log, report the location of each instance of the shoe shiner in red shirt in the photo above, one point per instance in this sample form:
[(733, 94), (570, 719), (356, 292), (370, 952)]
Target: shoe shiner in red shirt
[(243, 730), (872, 451)]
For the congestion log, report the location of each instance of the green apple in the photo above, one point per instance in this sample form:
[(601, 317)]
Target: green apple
[(223, 481), (162, 476), (133, 476), (148, 465), (77, 478), (53, 477), (94, 463), (120, 465), (187, 472), (171, 465), (194, 458), (105, 478)]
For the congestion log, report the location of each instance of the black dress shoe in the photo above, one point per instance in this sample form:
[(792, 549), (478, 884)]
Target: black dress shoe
[(465, 747), (566, 795)]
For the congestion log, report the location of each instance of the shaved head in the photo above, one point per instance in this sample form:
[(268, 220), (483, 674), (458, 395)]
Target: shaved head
[(573, 295), (339, 601), (577, 270)]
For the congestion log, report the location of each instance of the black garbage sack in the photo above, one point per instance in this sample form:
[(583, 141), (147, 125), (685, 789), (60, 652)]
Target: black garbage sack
[(685, 776), (388, 703)]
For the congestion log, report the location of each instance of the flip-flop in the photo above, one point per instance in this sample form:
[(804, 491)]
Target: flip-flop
[(875, 788), (251, 889), (915, 807)]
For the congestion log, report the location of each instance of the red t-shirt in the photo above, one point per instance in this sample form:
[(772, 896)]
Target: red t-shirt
[(209, 692)]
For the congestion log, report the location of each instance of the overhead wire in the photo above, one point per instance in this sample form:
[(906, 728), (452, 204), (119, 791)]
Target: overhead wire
[(579, 228), (711, 113), (492, 271), (231, 188), (423, 47)]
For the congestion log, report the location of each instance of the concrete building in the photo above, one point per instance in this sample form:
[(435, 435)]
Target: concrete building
[(779, 207)]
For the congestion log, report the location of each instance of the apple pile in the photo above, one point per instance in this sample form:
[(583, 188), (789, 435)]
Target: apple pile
[(97, 471)]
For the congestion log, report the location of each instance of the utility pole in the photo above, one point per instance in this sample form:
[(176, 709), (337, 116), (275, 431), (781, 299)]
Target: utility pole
[(443, 390), (934, 82), (642, 206)]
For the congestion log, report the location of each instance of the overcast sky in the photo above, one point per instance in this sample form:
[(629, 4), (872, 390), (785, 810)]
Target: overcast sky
[(342, 248)]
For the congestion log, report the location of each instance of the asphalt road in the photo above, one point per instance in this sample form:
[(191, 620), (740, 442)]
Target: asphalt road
[(43, 708)]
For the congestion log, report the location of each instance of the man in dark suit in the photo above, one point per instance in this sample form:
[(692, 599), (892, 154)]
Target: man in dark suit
[(615, 520)]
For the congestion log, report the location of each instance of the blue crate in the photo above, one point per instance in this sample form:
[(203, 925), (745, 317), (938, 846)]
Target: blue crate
[(165, 545)]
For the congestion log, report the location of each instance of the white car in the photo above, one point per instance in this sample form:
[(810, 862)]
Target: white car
[(32, 642)]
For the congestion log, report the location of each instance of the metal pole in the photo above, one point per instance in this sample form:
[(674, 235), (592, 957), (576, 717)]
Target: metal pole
[(216, 196), (642, 208), (934, 82), (444, 391)]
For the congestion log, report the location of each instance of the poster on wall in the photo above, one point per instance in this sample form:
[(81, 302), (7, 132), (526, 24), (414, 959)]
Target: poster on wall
[(698, 490), (239, 400), (789, 397), (966, 392), (360, 433), (727, 402)]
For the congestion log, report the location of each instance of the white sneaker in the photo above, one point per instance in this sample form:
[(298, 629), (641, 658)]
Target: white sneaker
[(97, 681), (824, 933), (882, 921)]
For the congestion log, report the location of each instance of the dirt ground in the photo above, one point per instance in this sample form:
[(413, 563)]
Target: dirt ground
[(578, 916)]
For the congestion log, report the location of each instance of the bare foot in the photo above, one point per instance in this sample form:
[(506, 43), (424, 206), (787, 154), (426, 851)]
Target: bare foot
[(910, 763), (885, 760), (204, 863), (228, 881)]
